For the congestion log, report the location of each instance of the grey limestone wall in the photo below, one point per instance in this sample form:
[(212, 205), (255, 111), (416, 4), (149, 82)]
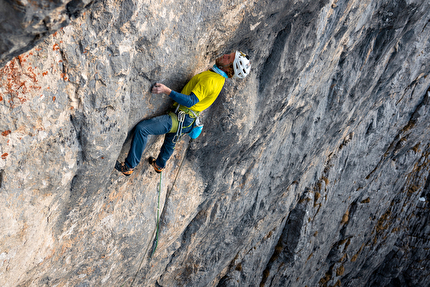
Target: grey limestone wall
[(313, 171)]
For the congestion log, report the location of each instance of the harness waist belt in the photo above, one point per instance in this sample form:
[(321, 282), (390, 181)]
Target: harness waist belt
[(191, 113)]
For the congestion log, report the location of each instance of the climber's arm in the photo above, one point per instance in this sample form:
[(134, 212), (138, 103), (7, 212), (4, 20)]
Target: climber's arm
[(182, 99)]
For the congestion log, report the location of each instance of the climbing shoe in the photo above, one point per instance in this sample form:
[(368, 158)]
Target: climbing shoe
[(154, 165), (122, 167)]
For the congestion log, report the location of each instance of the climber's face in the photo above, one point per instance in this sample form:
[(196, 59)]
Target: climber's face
[(225, 60)]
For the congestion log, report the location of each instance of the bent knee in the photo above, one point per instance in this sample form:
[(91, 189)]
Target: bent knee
[(142, 129)]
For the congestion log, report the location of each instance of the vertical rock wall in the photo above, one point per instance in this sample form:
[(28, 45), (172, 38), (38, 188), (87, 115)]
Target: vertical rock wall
[(313, 171)]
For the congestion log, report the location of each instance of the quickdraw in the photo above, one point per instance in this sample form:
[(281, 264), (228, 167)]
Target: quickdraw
[(179, 134), (181, 113)]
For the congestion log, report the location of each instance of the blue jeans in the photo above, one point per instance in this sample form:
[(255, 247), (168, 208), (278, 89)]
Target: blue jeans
[(155, 126)]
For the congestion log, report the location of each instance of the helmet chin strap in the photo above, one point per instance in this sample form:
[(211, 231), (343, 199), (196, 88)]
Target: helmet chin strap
[(221, 66)]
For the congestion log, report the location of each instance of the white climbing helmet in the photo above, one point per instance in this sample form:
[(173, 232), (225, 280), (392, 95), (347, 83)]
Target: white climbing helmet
[(241, 65)]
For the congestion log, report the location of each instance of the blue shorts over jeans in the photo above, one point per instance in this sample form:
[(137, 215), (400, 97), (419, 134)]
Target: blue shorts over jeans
[(156, 126)]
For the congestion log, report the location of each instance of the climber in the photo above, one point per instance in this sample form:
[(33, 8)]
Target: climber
[(197, 95)]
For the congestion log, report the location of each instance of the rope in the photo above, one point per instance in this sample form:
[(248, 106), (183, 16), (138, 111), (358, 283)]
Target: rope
[(158, 217), (158, 214), (155, 231)]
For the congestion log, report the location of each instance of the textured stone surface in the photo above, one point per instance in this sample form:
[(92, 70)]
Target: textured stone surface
[(25, 23), (313, 171)]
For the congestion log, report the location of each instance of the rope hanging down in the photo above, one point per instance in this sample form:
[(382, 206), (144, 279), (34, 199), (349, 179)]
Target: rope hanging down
[(155, 242), (158, 220), (158, 214)]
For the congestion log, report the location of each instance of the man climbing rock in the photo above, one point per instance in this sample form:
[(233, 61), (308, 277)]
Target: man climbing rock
[(197, 95)]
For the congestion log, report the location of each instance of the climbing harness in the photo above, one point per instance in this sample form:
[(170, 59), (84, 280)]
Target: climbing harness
[(178, 118), (159, 186)]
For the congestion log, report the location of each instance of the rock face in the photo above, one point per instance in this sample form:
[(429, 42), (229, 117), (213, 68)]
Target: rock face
[(313, 171), (25, 23)]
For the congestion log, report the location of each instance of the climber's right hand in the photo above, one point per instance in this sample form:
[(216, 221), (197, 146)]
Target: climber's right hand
[(159, 88)]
